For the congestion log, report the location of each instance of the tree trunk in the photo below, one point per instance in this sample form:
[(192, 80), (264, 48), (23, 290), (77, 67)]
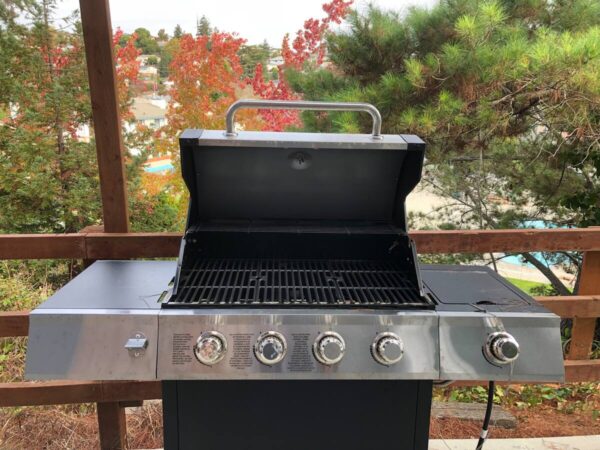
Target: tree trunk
[(547, 272), (58, 125)]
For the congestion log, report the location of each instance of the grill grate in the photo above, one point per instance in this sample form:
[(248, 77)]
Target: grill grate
[(276, 282)]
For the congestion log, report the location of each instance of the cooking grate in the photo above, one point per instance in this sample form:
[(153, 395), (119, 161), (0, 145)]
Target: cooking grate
[(277, 282)]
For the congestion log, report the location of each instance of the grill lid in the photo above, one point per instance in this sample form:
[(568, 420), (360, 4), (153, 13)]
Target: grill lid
[(299, 176)]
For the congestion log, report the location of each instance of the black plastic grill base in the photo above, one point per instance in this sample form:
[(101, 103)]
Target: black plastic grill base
[(300, 283)]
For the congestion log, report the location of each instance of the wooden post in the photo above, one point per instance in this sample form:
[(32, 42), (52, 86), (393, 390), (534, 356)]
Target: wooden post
[(582, 334), (97, 35), (91, 229), (111, 426)]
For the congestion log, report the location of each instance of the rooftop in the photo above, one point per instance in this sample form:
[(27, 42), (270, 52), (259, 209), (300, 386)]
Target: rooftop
[(143, 109)]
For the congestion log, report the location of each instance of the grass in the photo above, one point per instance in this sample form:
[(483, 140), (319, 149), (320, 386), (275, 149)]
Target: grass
[(526, 285)]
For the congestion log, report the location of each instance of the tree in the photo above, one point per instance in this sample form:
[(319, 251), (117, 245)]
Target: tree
[(203, 27), (505, 93), (308, 46), (146, 42), (206, 71), (166, 56), (162, 35), (128, 67), (252, 55), (310, 41), (49, 179), (177, 32)]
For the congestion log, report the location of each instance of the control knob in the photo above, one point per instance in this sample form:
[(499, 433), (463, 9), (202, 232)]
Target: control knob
[(501, 348), (210, 348), (270, 348), (387, 348), (329, 348)]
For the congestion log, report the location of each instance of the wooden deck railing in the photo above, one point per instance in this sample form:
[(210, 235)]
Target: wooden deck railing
[(113, 397)]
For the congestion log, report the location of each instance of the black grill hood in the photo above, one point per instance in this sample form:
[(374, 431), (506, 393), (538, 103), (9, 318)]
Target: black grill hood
[(279, 177)]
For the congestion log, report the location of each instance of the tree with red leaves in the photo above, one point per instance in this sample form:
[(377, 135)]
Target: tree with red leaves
[(274, 120), (308, 46), (206, 73), (310, 41), (127, 68)]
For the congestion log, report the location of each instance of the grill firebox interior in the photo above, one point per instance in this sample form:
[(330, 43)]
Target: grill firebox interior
[(296, 282)]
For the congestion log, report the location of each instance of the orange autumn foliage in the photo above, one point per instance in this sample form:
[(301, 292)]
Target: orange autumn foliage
[(308, 46), (310, 41), (206, 72), (127, 69), (155, 183)]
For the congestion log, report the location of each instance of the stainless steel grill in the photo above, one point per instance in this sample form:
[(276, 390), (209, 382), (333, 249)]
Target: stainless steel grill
[(282, 282), (296, 265)]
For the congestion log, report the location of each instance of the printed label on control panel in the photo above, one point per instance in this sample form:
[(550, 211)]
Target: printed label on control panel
[(182, 349), (300, 358), (241, 357)]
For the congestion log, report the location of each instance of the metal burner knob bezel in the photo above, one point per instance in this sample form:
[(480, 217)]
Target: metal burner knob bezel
[(318, 351), (493, 352), (211, 335), (376, 351), (264, 336)]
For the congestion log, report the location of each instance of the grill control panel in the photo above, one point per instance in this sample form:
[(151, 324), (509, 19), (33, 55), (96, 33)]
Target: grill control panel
[(298, 345), (328, 348)]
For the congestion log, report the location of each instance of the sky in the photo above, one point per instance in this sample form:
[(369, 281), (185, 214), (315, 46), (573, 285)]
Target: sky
[(254, 20)]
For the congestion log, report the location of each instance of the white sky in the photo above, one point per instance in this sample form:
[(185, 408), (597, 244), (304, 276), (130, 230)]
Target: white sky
[(254, 20)]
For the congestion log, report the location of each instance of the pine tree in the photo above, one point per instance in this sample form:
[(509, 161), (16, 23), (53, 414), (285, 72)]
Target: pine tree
[(203, 27), (177, 32), (506, 94), (252, 55), (162, 35)]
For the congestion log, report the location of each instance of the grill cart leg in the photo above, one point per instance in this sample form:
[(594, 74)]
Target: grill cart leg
[(296, 415)]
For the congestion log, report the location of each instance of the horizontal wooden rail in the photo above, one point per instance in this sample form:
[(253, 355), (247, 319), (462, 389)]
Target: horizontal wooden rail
[(42, 246), (14, 323), (520, 240), (580, 370), (569, 307), (160, 245), (30, 393)]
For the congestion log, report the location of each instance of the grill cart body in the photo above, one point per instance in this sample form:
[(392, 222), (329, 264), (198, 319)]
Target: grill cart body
[(298, 315)]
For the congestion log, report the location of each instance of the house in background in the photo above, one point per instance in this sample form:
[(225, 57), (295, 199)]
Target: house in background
[(149, 111)]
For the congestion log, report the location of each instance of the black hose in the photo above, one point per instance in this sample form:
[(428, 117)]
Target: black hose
[(488, 416)]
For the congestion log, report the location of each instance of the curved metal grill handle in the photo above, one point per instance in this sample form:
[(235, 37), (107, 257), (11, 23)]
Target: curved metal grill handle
[(305, 105)]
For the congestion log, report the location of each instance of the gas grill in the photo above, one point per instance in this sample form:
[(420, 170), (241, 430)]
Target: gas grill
[(297, 313)]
